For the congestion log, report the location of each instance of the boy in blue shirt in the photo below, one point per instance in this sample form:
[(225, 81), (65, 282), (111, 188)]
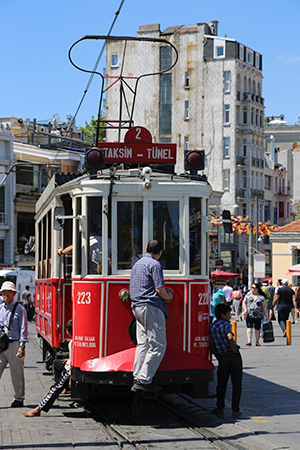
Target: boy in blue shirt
[(227, 353)]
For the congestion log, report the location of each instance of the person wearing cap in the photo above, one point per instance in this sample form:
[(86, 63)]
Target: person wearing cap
[(285, 301), (18, 336)]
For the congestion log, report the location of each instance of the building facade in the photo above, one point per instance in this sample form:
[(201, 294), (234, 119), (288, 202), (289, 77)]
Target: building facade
[(211, 100), (7, 195)]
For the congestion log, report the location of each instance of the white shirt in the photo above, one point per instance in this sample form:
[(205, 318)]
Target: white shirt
[(227, 292)]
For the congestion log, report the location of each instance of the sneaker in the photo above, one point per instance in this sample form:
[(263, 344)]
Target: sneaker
[(284, 333), (17, 404), (138, 386)]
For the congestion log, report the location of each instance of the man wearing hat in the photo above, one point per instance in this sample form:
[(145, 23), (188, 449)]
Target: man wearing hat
[(18, 336), (285, 301)]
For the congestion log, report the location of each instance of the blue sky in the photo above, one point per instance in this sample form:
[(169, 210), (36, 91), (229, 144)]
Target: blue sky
[(38, 81)]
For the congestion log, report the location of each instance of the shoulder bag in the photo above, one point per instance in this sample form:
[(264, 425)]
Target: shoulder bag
[(3, 335)]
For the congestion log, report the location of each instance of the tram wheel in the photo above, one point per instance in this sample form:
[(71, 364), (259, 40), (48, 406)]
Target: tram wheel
[(137, 405)]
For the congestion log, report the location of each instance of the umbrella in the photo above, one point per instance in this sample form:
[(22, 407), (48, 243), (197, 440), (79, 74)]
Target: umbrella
[(294, 270), (221, 275)]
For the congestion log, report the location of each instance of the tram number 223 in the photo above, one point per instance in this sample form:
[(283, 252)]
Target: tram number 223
[(84, 298), (203, 298)]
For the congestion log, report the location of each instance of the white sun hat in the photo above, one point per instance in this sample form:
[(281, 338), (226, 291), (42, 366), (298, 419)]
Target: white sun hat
[(8, 286)]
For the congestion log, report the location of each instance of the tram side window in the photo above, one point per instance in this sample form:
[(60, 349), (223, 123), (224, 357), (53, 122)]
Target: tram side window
[(40, 249), (67, 235), (166, 230), (195, 236), (95, 235), (78, 237), (129, 234), (49, 243)]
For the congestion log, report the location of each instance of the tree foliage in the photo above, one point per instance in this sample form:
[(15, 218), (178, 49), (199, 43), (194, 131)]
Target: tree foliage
[(90, 129)]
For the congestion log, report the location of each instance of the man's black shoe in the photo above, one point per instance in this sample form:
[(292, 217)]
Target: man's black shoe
[(138, 386), (17, 404)]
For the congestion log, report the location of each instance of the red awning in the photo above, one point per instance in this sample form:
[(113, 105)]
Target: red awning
[(221, 275), (294, 270)]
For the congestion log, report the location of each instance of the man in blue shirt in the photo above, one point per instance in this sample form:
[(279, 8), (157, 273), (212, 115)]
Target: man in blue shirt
[(18, 336), (227, 353), (148, 296)]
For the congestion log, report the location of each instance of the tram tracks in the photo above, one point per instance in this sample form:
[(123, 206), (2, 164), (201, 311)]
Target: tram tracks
[(183, 419)]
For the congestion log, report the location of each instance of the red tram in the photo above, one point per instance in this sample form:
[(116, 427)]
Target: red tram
[(109, 218), (108, 213)]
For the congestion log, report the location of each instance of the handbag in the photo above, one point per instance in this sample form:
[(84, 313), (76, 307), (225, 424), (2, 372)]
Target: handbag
[(4, 340), (268, 333)]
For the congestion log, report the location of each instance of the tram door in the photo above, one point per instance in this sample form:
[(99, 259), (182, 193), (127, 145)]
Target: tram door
[(65, 302)]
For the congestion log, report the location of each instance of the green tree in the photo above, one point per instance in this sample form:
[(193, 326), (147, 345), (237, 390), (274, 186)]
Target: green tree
[(90, 129)]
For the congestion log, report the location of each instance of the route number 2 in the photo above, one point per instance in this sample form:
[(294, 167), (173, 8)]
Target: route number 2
[(138, 132), (84, 298)]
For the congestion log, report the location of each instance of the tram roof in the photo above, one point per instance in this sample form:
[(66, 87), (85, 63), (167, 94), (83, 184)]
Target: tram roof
[(67, 181)]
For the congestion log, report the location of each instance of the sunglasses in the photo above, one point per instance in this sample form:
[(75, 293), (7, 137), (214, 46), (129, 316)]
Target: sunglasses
[(253, 287)]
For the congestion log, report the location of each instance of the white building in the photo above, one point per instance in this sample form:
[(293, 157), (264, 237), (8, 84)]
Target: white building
[(7, 194), (211, 99)]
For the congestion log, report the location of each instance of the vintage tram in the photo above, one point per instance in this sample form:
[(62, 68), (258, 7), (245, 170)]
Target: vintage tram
[(127, 194), (108, 218)]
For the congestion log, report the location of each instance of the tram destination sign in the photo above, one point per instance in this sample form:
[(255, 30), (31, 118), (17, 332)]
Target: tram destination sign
[(139, 148)]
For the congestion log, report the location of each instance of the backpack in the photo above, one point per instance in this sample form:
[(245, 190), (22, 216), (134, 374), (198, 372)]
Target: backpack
[(255, 309)]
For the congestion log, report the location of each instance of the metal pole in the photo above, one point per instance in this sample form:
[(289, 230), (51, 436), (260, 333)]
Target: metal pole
[(250, 257)]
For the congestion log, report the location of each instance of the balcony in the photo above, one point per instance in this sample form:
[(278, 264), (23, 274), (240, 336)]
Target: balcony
[(240, 193), (240, 161), (4, 219), (248, 97), (256, 162), (256, 193)]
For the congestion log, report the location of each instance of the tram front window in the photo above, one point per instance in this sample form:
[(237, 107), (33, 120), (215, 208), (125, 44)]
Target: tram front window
[(166, 230), (95, 235), (195, 236), (130, 233)]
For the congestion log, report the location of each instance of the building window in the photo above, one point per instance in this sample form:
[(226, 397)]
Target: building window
[(252, 116), (165, 106), (227, 81), (244, 181), (256, 117), (226, 180), (249, 56), (242, 53), (186, 109), (260, 120), (257, 60), (245, 116), (245, 148), (261, 181), (226, 113), (186, 143), (281, 209), (115, 60), (267, 182), (219, 48), (187, 80), (226, 148), (244, 209), (267, 211), (165, 58)]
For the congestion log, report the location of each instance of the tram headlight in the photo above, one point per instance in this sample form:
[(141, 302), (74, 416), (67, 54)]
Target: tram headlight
[(194, 160), (94, 159)]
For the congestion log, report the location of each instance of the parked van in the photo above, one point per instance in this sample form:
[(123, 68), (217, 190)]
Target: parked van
[(21, 278)]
